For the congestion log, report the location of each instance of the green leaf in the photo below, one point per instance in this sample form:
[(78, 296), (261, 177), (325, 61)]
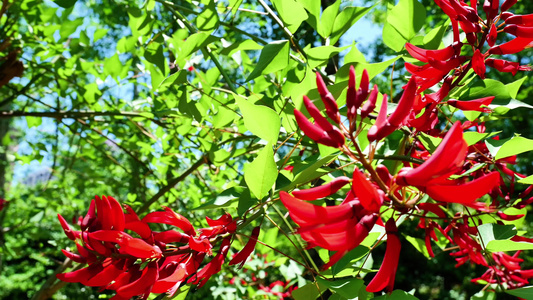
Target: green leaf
[(309, 291), (392, 38), (225, 199), (509, 147), (260, 120), (291, 12), (514, 86), (192, 44), (33, 121), (472, 137), (245, 202), (313, 8), (154, 54), (345, 20), (346, 287), (429, 142), (307, 172), (207, 20), (65, 3), (507, 245), (491, 232), (433, 38), (261, 174), (115, 68), (274, 57), (527, 180), (321, 55), (523, 292), (69, 27), (325, 26), (407, 17), (419, 245)]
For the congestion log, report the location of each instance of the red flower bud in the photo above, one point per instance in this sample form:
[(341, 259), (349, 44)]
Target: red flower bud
[(387, 272), (493, 34), (370, 103), (506, 66), (332, 110), (478, 64), (519, 31), (513, 46), (525, 20), (441, 54), (508, 4), (366, 192), (475, 105), (491, 8), (243, 255)]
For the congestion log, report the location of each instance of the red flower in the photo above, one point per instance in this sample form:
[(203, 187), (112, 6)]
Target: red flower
[(243, 255), (322, 191), (387, 272)]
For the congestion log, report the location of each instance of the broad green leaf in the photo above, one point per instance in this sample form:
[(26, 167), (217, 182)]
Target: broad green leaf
[(306, 172), (65, 3), (472, 137), (514, 86), (527, 180), (346, 287), (99, 33), (192, 44), (225, 199), (261, 173), (345, 20), (260, 120), (507, 245), (33, 121), (179, 77), (313, 8), (309, 291), (419, 245), (509, 147), (354, 255), (430, 142), (69, 27), (115, 68), (491, 232), (407, 17), (433, 39), (182, 292), (274, 57), (245, 202), (207, 20), (392, 38), (327, 20), (291, 12), (154, 54), (239, 46), (321, 55), (523, 292), (372, 69)]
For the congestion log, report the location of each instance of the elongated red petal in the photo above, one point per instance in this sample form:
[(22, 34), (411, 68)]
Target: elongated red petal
[(139, 287), (139, 248), (332, 110), (446, 160), (506, 66), (90, 216), (493, 34), (352, 101), (117, 213), (314, 132), (465, 193), (519, 31), (441, 54), (109, 273), (66, 228), (243, 255), (491, 8), (404, 105), (475, 105), (305, 213), (171, 218), (74, 257), (508, 4), (381, 127), (81, 275), (524, 20), (171, 236), (317, 115), (513, 46), (366, 192), (387, 272), (370, 103), (478, 64), (322, 191)]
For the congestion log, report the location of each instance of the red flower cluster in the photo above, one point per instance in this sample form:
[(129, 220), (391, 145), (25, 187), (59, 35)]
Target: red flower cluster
[(153, 262)]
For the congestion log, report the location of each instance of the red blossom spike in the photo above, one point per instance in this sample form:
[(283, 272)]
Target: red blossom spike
[(506, 66), (519, 31), (322, 191), (493, 34), (366, 192), (465, 193), (507, 4), (387, 272), (332, 110), (472, 105), (243, 255), (513, 46), (446, 160)]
